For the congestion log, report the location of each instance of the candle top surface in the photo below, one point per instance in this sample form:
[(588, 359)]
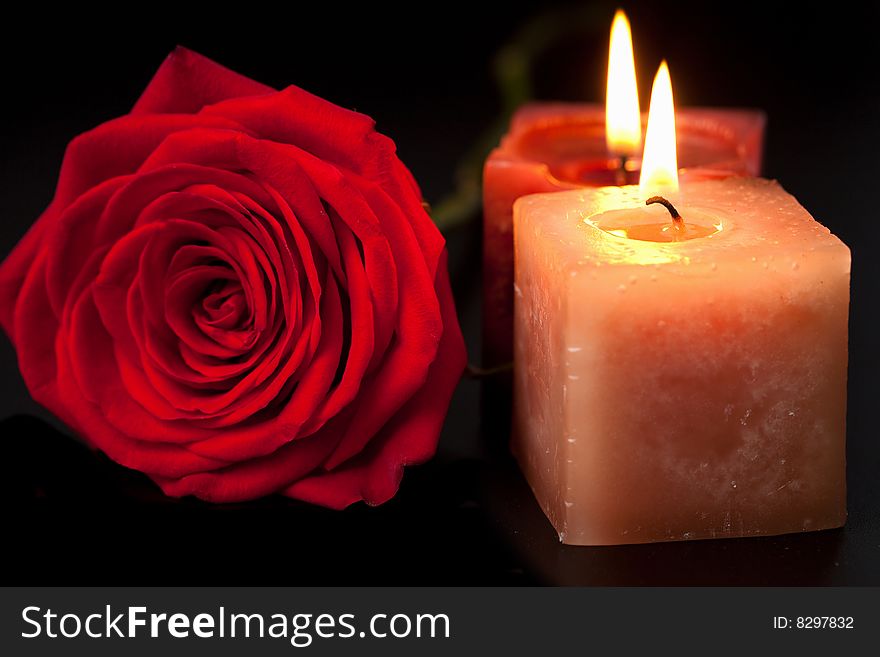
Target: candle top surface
[(743, 220), (556, 136)]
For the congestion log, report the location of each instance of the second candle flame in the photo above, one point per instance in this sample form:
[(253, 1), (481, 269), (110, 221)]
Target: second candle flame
[(623, 123), (660, 161)]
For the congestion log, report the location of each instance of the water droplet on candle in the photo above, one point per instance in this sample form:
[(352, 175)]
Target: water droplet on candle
[(516, 290), (633, 280), (573, 377), (733, 484), (781, 461), (661, 324), (654, 278), (568, 504), (754, 259), (621, 288), (574, 350), (572, 440), (765, 265), (791, 414), (687, 536), (745, 418), (713, 266), (794, 265)]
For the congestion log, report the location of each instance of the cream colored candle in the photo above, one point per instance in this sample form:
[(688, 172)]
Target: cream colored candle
[(680, 382)]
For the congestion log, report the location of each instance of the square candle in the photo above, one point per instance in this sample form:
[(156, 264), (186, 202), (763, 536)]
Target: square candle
[(683, 389), (559, 146)]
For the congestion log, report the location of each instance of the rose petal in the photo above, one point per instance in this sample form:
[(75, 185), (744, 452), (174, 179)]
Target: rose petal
[(96, 155), (409, 438), (161, 459), (18, 264), (327, 131), (187, 81), (257, 477)]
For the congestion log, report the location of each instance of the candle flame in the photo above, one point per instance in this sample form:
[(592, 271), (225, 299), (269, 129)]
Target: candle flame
[(623, 124), (660, 161)]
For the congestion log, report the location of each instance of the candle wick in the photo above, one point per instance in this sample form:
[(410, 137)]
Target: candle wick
[(620, 175), (676, 217)]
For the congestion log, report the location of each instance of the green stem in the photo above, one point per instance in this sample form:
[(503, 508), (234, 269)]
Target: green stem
[(512, 73)]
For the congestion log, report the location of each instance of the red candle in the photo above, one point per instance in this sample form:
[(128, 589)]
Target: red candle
[(552, 147)]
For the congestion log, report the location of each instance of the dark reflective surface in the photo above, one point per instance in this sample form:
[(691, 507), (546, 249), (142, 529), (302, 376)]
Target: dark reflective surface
[(78, 518), (71, 516)]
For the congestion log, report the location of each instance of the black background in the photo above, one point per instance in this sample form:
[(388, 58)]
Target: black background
[(424, 72)]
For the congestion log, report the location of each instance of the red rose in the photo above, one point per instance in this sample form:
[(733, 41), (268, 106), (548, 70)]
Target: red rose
[(236, 291)]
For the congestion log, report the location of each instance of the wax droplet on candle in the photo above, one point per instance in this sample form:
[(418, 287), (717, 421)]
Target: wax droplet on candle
[(794, 265), (733, 484)]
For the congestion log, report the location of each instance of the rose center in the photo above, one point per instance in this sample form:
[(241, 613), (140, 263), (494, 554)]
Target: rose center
[(224, 314)]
